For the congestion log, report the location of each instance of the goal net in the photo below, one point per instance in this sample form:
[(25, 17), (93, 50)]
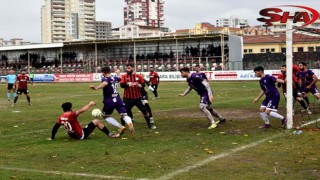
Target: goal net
[(303, 45)]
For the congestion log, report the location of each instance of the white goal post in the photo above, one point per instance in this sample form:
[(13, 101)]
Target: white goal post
[(289, 64)]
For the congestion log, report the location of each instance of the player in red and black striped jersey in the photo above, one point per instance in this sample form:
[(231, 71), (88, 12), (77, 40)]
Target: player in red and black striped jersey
[(154, 81), (69, 119), (22, 84), (132, 82), (295, 87)]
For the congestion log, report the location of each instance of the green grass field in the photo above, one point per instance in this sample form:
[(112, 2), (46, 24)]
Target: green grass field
[(180, 148)]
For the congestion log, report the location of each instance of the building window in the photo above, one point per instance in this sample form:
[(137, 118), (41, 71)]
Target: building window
[(245, 51), (310, 49), (267, 50), (283, 50), (318, 48), (300, 49), (250, 50), (272, 50), (262, 50)]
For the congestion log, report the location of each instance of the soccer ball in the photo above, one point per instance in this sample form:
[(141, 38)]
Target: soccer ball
[(96, 113)]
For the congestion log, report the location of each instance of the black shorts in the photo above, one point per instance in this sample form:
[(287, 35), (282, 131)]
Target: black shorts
[(88, 130), (145, 97), (129, 103), (11, 87), (24, 91)]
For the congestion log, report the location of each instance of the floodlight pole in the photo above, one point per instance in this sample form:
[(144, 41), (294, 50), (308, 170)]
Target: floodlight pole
[(61, 71), (28, 61), (222, 51), (177, 55), (96, 57), (134, 56), (289, 82)]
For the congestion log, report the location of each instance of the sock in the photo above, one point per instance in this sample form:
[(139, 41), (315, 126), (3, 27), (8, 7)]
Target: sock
[(127, 119), (123, 122), (105, 130), (155, 93), (147, 118), (214, 113), (15, 99), (307, 100), (145, 115), (264, 117), (276, 115), (207, 113), (113, 122), (304, 106), (148, 109), (151, 120), (8, 95), (28, 99), (14, 94)]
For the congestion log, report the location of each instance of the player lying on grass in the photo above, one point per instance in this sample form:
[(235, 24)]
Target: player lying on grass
[(69, 119), (270, 104), (206, 96)]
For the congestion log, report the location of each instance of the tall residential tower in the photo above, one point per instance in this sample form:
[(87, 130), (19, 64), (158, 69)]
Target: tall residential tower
[(144, 12), (68, 20)]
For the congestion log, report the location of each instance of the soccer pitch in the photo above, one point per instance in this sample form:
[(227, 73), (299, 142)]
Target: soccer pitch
[(180, 148)]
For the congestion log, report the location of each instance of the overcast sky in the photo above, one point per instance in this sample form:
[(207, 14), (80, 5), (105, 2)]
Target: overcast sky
[(22, 18)]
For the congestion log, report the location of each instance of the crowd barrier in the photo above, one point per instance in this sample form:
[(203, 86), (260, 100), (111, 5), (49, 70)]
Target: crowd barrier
[(164, 76)]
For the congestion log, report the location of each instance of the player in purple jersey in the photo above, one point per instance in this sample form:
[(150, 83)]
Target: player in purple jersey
[(270, 104), (201, 74), (308, 81), (202, 87), (112, 100)]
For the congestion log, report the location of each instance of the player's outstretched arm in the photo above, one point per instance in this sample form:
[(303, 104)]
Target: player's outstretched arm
[(102, 85), (186, 92), (85, 108), (281, 81), (54, 131), (259, 96)]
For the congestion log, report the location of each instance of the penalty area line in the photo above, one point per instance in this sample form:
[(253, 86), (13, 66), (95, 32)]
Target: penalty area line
[(223, 155), (69, 174)]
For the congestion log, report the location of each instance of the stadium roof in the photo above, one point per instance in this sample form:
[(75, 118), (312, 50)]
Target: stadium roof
[(32, 46), (280, 38), (145, 39), (113, 41)]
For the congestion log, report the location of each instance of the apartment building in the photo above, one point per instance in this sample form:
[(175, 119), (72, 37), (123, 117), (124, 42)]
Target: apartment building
[(13, 42), (144, 12), (232, 22), (68, 20), (103, 30)]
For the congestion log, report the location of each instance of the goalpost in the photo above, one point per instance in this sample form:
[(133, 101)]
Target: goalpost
[(289, 59), (314, 35)]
